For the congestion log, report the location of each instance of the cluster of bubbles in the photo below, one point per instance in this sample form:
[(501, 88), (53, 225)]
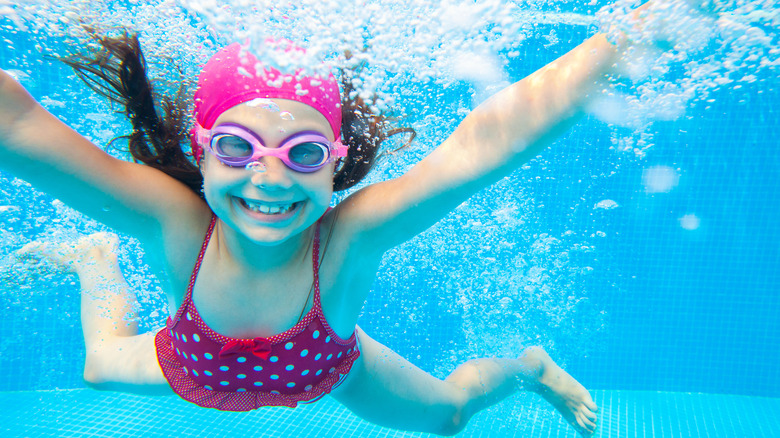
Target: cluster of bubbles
[(489, 279), (27, 275), (392, 43), (40, 295), (681, 52)]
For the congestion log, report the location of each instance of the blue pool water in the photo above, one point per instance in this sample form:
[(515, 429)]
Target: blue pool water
[(646, 259)]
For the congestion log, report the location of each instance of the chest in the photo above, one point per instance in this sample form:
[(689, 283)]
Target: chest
[(243, 306)]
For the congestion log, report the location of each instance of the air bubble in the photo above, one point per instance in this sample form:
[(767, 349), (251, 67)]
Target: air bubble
[(606, 204), (659, 179), (263, 103), (256, 166), (690, 222)]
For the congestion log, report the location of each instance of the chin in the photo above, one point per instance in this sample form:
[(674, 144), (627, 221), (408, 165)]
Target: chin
[(277, 232)]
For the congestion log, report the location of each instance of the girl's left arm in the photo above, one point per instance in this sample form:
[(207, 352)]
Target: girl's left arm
[(494, 139)]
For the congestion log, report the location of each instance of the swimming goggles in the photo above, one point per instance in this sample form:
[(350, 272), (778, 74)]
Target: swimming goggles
[(237, 146)]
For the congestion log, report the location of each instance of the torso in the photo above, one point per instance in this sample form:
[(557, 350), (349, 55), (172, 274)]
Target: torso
[(238, 303), (242, 372)]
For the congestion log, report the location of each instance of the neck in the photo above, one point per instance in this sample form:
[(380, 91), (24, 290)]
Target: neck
[(262, 258)]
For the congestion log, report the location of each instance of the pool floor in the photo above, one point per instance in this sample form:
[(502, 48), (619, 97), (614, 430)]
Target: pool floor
[(85, 412)]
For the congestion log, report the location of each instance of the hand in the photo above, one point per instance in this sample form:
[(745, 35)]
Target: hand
[(664, 24)]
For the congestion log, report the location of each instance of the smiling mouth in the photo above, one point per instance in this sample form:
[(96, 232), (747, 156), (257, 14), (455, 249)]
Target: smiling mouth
[(268, 209)]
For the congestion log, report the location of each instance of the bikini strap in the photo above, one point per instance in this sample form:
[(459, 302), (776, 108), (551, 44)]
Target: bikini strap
[(194, 276), (315, 261)]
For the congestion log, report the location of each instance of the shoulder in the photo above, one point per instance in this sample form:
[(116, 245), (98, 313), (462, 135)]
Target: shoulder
[(348, 258), (183, 233), (342, 230)]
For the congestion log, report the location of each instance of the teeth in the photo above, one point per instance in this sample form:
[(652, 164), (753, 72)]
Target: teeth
[(266, 208)]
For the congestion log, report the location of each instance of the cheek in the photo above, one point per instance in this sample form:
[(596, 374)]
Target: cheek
[(216, 178), (320, 186), (326, 197)]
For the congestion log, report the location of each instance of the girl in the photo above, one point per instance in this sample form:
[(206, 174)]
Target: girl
[(265, 281)]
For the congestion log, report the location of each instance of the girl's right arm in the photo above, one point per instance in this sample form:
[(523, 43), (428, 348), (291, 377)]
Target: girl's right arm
[(129, 197)]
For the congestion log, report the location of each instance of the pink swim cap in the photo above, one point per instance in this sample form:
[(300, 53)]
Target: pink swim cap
[(232, 77)]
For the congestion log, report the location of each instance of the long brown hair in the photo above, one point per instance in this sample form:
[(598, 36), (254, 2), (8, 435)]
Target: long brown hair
[(117, 71)]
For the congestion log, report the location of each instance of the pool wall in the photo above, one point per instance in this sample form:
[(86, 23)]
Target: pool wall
[(687, 309)]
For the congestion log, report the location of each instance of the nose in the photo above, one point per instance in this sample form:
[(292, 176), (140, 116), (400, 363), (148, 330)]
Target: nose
[(270, 173)]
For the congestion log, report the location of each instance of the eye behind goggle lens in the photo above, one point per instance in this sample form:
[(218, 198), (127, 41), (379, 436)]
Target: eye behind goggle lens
[(309, 154), (231, 146)]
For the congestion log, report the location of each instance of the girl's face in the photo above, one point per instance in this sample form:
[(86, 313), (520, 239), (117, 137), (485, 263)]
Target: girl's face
[(271, 206)]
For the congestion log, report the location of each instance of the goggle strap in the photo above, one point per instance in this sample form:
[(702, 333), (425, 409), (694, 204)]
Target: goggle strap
[(202, 135), (341, 149)]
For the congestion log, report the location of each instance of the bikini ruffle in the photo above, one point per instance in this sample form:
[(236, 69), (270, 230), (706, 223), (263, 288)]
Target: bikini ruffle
[(189, 390)]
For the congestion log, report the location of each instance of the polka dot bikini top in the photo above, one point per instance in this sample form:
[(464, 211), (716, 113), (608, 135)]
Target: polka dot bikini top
[(299, 365)]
